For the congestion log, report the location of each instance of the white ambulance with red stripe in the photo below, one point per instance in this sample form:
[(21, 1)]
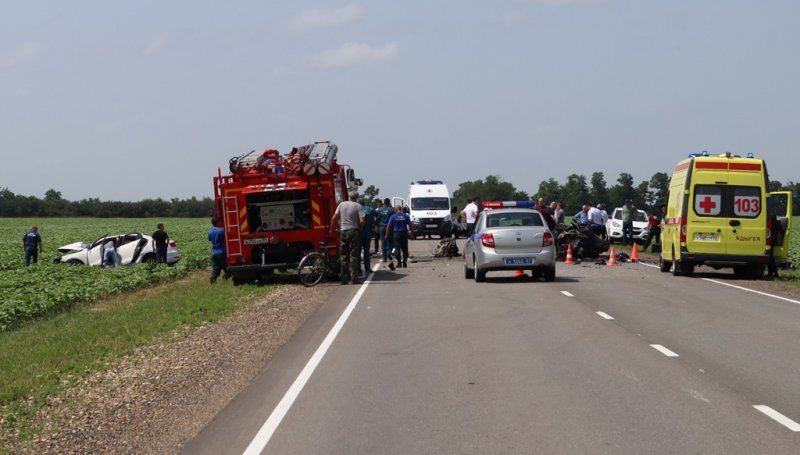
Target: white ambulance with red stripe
[(717, 216)]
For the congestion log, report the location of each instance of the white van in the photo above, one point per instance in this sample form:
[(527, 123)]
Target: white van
[(429, 207)]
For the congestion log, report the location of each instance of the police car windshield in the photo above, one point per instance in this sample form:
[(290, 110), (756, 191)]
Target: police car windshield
[(430, 203)]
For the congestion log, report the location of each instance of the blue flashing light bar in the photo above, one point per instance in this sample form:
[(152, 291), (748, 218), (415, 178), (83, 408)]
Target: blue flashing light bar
[(750, 155), (508, 204), (695, 155)]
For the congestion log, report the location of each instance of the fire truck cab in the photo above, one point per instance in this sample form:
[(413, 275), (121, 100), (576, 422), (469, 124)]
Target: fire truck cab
[(277, 208)]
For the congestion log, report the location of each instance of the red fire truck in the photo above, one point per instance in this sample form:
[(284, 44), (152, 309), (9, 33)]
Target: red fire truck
[(278, 208)]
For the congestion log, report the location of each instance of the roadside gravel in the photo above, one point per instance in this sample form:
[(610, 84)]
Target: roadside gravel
[(155, 400)]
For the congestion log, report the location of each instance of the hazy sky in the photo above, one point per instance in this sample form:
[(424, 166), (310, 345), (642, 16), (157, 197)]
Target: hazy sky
[(145, 99)]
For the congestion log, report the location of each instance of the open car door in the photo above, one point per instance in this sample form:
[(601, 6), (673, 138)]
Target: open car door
[(779, 209)]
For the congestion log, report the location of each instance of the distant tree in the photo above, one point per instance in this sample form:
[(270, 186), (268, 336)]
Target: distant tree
[(371, 193), (550, 190), (575, 193), (599, 190), (622, 190), (489, 189), (774, 185), (644, 197), (659, 183)]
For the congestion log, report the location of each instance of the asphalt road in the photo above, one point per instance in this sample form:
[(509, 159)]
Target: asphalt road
[(620, 360)]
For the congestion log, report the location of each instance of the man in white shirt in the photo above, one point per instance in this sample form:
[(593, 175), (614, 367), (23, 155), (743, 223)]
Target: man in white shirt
[(470, 214), (596, 220)]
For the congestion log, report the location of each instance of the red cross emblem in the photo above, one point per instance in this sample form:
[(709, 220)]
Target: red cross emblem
[(707, 204)]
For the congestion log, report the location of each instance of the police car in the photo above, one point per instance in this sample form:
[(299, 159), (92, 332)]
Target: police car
[(510, 236)]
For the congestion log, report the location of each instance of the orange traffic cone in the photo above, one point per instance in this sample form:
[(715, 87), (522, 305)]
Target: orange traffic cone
[(635, 253), (519, 273), (569, 260), (612, 257)]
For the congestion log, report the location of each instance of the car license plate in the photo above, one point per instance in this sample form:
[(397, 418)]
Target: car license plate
[(518, 261), (706, 237), (430, 226)]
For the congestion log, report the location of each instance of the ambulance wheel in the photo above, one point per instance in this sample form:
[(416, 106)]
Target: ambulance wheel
[(687, 269), (663, 264), (676, 265)]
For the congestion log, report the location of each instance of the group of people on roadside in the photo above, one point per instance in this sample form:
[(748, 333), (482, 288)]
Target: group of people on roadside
[(357, 224)]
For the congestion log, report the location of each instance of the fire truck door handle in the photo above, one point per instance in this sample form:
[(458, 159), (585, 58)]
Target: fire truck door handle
[(734, 222)]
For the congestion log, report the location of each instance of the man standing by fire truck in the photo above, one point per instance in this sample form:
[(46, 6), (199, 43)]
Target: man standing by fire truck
[(349, 219)]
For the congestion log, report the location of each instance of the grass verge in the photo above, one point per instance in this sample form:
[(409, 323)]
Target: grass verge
[(42, 358)]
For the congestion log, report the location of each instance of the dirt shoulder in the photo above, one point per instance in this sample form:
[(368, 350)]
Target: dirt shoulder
[(154, 401)]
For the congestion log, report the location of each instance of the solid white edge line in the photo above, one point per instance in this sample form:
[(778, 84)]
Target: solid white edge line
[(663, 350), (604, 315), (778, 417), (567, 293), (739, 287), (752, 290), (263, 436)]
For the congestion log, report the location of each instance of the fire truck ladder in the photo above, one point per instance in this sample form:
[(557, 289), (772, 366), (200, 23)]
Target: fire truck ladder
[(233, 237)]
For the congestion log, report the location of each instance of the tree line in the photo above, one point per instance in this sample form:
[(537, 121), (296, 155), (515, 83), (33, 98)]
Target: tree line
[(54, 205), (578, 190)]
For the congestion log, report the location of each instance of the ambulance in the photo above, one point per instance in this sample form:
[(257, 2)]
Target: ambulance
[(428, 205), (716, 215)]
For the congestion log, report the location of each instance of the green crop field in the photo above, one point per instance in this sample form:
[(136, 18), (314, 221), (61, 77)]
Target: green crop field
[(46, 288)]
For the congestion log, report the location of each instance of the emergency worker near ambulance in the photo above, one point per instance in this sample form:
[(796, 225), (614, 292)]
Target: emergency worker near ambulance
[(349, 219), (399, 227)]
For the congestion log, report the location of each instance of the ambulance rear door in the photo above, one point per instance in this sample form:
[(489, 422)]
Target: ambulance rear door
[(779, 208)]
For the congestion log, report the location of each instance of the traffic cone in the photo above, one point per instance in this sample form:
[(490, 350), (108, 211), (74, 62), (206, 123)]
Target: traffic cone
[(519, 273), (569, 260), (635, 253), (612, 257)]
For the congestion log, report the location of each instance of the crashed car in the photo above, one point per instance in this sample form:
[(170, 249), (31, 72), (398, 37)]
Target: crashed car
[(133, 248)]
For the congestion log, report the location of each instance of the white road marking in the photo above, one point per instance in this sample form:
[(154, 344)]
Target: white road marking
[(752, 290), (268, 429), (778, 417), (566, 293), (604, 315), (741, 288), (663, 350)]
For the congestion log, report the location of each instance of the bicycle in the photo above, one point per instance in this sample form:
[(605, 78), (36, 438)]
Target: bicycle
[(318, 264)]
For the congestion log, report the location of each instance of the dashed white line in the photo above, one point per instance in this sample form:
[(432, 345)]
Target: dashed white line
[(663, 350), (604, 315), (567, 293), (778, 417)]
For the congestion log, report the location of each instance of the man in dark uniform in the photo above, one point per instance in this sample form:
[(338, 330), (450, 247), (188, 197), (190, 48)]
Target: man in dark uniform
[(32, 244), (382, 215), (160, 241), (216, 235)]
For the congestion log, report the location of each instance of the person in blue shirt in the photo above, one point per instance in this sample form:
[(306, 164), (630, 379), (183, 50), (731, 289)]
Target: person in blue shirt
[(382, 215), (399, 227), (32, 244), (216, 235), (583, 216)]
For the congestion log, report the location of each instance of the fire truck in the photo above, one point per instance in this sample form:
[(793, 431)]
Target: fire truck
[(278, 208)]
